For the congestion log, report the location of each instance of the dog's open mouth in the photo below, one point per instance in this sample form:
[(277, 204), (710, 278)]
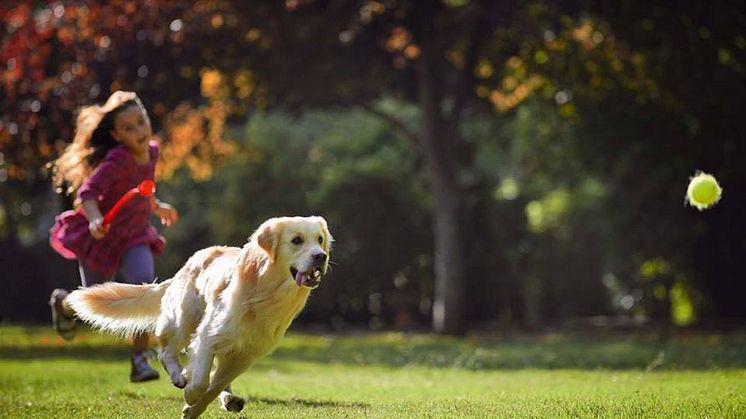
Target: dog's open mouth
[(310, 279)]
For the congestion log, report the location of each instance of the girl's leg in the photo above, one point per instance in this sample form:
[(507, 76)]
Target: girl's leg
[(88, 277), (137, 268), (63, 316), (137, 265)]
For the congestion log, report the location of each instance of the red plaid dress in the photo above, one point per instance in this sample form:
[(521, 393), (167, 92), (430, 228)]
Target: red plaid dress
[(113, 177)]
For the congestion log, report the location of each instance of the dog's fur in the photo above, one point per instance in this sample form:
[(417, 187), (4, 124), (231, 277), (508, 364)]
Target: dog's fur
[(229, 306)]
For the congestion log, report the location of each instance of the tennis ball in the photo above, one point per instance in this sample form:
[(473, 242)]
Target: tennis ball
[(703, 191)]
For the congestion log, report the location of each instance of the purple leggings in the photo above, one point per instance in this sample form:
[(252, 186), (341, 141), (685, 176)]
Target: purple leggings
[(136, 267)]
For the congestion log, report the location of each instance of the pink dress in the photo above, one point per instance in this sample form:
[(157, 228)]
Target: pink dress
[(115, 175)]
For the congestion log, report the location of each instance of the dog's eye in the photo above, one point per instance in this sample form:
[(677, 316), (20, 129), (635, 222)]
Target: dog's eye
[(321, 240), (297, 240)]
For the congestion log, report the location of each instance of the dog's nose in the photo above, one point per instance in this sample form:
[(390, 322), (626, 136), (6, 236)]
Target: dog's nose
[(319, 257)]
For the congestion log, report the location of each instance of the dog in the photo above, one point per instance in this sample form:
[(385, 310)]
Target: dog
[(227, 306)]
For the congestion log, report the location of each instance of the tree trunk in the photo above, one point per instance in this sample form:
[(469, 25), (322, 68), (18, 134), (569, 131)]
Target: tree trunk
[(437, 137), (448, 302)]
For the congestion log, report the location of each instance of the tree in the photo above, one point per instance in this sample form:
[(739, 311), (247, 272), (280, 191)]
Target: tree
[(60, 57), (448, 58), (310, 54), (613, 73)]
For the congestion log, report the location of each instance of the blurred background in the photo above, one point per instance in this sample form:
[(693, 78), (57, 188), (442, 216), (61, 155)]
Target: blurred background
[(483, 165)]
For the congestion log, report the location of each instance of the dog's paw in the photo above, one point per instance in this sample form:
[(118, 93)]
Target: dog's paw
[(179, 379), (231, 402), (187, 412)]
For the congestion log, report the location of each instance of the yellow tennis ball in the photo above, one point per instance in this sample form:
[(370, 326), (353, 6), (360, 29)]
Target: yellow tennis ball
[(703, 191)]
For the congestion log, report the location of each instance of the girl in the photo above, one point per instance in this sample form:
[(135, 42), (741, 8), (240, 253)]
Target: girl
[(110, 154)]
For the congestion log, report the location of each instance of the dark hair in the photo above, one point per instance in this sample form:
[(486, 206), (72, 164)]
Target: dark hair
[(92, 141), (101, 140)]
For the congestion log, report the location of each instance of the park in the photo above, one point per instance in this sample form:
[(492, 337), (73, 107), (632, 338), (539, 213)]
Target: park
[(512, 190)]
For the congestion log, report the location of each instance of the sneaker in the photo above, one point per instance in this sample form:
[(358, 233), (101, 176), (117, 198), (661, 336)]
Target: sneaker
[(141, 370), (63, 324)]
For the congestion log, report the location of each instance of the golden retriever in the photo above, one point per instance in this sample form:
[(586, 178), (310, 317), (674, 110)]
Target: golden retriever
[(227, 306)]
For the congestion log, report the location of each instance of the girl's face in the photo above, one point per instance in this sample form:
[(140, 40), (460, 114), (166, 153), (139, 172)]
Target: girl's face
[(132, 128)]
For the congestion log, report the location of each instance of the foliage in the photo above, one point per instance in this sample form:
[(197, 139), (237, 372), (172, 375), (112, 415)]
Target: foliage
[(62, 56), (312, 165), (571, 129)]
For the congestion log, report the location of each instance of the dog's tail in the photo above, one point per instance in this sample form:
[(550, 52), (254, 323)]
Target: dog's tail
[(122, 309)]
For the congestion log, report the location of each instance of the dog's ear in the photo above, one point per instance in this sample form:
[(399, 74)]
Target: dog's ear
[(328, 239), (268, 237)]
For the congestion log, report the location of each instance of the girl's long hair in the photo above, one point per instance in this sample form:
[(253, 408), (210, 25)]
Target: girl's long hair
[(91, 143)]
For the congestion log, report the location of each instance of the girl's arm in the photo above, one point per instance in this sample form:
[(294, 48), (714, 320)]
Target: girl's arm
[(116, 164), (166, 212), (95, 219)]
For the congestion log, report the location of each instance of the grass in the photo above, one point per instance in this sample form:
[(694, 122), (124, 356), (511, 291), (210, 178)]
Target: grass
[(396, 375)]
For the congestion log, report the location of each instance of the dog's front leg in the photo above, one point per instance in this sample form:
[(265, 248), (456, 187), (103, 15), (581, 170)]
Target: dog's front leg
[(227, 369), (177, 322), (197, 373), (201, 354), (170, 362)]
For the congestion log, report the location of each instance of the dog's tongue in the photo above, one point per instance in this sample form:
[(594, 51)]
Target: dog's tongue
[(301, 278)]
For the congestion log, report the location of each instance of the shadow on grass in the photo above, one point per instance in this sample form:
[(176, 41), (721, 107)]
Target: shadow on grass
[(255, 400), (151, 398), (538, 352), (398, 350), (38, 342), (305, 403), (77, 352)]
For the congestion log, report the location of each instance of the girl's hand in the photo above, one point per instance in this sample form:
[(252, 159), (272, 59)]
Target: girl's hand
[(117, 98), (97, 228), (167, 213)]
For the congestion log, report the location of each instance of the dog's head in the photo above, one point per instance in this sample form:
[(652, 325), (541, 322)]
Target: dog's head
[(301, 244)]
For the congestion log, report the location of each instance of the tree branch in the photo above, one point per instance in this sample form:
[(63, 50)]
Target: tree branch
[(396, 123)]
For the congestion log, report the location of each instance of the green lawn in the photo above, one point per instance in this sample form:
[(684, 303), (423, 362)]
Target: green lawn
[(396, 375)]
